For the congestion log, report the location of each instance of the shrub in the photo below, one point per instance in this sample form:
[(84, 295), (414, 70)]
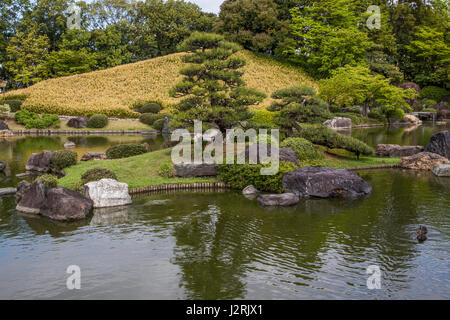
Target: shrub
[(64, 159), (166, 170), (125, 151), (49, 180), (14, 105), (158, 124), (151, 108), (304, 148), (32, 120), (97, 174), (150, 118), (333, 140), (377, 116), (356, 118), (262, 119), (429, 110), (240, 176), (97, 121), (4, 110), (429, 102), (433, 93)]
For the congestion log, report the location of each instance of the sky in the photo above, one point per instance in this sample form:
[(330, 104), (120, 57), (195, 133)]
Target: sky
[(208, 5)]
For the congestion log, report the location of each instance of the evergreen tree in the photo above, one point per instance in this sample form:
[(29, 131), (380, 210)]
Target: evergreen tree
[(213, 89)]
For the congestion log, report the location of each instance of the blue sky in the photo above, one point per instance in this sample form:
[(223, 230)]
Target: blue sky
[(208, 5)]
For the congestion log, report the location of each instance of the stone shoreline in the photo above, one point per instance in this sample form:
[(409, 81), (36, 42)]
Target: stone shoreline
[(83, 132)]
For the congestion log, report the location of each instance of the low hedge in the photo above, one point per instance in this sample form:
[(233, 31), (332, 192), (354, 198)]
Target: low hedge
[(150, 118), (97, 121), (262, 119), (433, 93), (49, 180), (97, 174), (32, 120), (125, 151), (239, 176), (64, 159), (151, 108), (333, 140), (159, 124), (14, 105), (304, 148)]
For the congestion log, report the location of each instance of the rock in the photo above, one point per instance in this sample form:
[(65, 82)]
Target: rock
[(393, 150), (423, 161), (2, 165), (280, 200), (107, 193), (250, 191), (166, 128), (188, 170), (6, 133), (25, 175), (338, 123), (324, 182), (440, 144), (409, 119), (66, 205), (69, 145), (80, 122), (32, 197), (22, 187), (40, 161), (93, 156), (7, 191), (442, 170), (3, 126), (285, 154)]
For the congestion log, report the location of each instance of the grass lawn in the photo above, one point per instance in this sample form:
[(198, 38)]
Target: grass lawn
[(137, 172), (112, 125), (341, 159)]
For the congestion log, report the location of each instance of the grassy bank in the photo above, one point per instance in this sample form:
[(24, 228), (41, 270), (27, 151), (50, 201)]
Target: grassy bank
[(112, 125), (113, 91), (141, 171)]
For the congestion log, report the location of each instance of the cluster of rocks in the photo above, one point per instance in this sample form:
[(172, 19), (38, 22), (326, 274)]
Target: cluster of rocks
[(408, 119), (4, 130)]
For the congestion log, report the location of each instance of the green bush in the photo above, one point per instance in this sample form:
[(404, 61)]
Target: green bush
[(97, 174), (240, 176), (333, 140), (158, 124), (262, 119), (32, 120), (429, 110), (151, 108), (356, 118), (304, 148), (4, 110), (14, 105), (433, 93), (150, 118), (125, 151), (429, 102), (64, 159), (166, 170), (97, 121), (377, 116), (49, 180)]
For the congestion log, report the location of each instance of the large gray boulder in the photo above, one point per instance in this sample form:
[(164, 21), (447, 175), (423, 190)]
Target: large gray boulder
[(107, 193), (442, 170), (338, 123), (93, 156), (80, 122), (278, 200), (66, 205), (394, 150), (440, 144), (189, 170), (40, 162), (324, 182), (31, 197), (7, 191)]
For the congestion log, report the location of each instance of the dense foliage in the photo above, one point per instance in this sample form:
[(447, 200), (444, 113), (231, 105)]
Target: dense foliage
[(166, 170), (150, 108), (14, 105), (434, 93), (32, 120), (64, 159), (304, 148), (97, 121), (150, 118), (331, 139), (239, 176), (212, 89), (125, 151), (97, 174), (49, 180)]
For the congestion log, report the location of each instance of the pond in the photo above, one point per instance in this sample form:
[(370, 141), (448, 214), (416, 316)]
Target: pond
[(220, 245)]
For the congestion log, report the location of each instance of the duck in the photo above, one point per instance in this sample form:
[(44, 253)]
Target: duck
[(421, 233)]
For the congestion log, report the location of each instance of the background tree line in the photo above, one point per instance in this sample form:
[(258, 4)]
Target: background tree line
[(319, 35)]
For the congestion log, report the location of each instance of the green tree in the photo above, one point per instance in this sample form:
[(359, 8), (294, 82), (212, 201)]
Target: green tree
[(212, 87), (350, 86)]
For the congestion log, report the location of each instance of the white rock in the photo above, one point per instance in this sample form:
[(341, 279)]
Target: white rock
[(250, 191), (338, 123), (442, 170), (107, 193), (69, 145)]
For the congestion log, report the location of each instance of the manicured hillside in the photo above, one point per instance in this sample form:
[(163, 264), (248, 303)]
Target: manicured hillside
[(114, 91)]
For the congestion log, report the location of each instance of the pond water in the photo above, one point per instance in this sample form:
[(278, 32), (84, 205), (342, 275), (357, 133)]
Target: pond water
[(220, 245)]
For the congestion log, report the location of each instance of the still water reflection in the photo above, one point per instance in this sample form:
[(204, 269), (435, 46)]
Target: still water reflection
[(223, 246)]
